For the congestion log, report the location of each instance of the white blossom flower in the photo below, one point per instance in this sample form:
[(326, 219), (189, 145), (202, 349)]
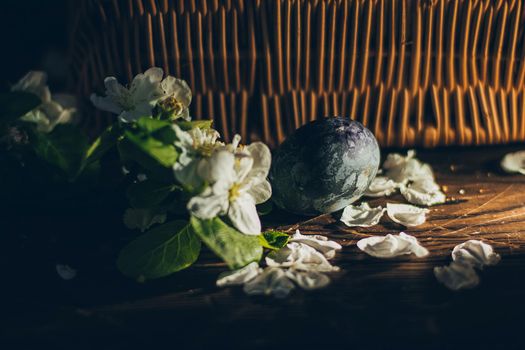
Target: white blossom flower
[(300, 256), (66, 272), (308, 280), (381, 186), (362, 215), (320, 243), (142, 219), (390, 246), (237, 183), (514, 162), (134, 102), (406, 214), (176, 98), (193, 146), (475, 253), (240, 276), (423, 192), (457, 276), (272, 281), (53, 110)]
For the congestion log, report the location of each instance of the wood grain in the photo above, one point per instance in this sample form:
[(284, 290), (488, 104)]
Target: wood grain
[(371, 303)]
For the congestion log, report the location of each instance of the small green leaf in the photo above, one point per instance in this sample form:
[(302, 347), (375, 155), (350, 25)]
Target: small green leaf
[(274, 239), (160, 252), (147, 146), (161, 130), (235, 248), (143, 218), (16, 104), (149, 193), (103, 143), (65, 148), (188, 125)]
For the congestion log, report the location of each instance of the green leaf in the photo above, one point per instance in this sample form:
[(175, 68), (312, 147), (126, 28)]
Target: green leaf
[(160, 252), (235, 248), (149, 193), (65, 148), (103, 143), (161, 130), (143, 218), (147, 146), (274, 239), (188, 125), (16, 104)]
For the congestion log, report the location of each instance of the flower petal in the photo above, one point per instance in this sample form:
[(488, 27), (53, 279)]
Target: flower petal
[(272, 281), (320, 243), (381, 186), (391, 246), (219, 167), (423, 192), (240, 276), (262, 160), (475, 253), (309, 280), (514, 162), (177, 88), (457, 276), (406, 214), (362, 215), (208, 205), (260, 192), (66, 272), (300, 256), (243, 215)]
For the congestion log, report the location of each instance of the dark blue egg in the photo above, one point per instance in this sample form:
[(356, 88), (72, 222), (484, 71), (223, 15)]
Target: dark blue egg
[(324, 166)]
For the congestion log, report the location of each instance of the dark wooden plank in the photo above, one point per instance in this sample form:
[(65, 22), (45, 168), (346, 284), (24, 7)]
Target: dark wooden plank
[(371, 303)]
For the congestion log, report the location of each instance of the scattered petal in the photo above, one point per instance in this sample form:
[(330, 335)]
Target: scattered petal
[(381, 186), (390, 246), (240, 276), (66, 272), (475, 253), (309, 280), (457, 276), (404, 169), (514, 162), (272, 281), (317, 242), (300, 256), (406, 214), (423, 192), (362, 215)]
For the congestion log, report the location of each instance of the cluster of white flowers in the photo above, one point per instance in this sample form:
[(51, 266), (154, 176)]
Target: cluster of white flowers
[(147, 91), (304, 262), (53, 110), (414, 179), (466, 257)]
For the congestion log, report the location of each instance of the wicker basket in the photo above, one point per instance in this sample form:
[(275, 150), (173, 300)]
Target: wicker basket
[(416, 72)]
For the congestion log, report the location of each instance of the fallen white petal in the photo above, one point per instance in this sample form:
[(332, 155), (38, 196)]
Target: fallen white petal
[(320, 243), (309, 280), (300, 257), (403, 169), (390, 246), (240, 276), (457, 276), (381, 186), (514, 162), (362, 215), (406, 214), (272, 281), (475, 253), (66, 272), (423, 192)]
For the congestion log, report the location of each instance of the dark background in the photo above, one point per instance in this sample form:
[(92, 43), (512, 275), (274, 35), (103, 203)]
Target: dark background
[(34, 36)]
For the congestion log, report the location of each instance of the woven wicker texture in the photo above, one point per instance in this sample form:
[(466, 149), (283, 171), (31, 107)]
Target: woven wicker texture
[(416, 72)]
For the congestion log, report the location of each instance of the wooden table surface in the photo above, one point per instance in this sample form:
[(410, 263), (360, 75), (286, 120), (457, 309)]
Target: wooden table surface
[(371, 303)]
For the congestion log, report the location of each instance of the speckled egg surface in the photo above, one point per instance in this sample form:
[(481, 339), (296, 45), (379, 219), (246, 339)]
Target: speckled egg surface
[(324, 166)]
